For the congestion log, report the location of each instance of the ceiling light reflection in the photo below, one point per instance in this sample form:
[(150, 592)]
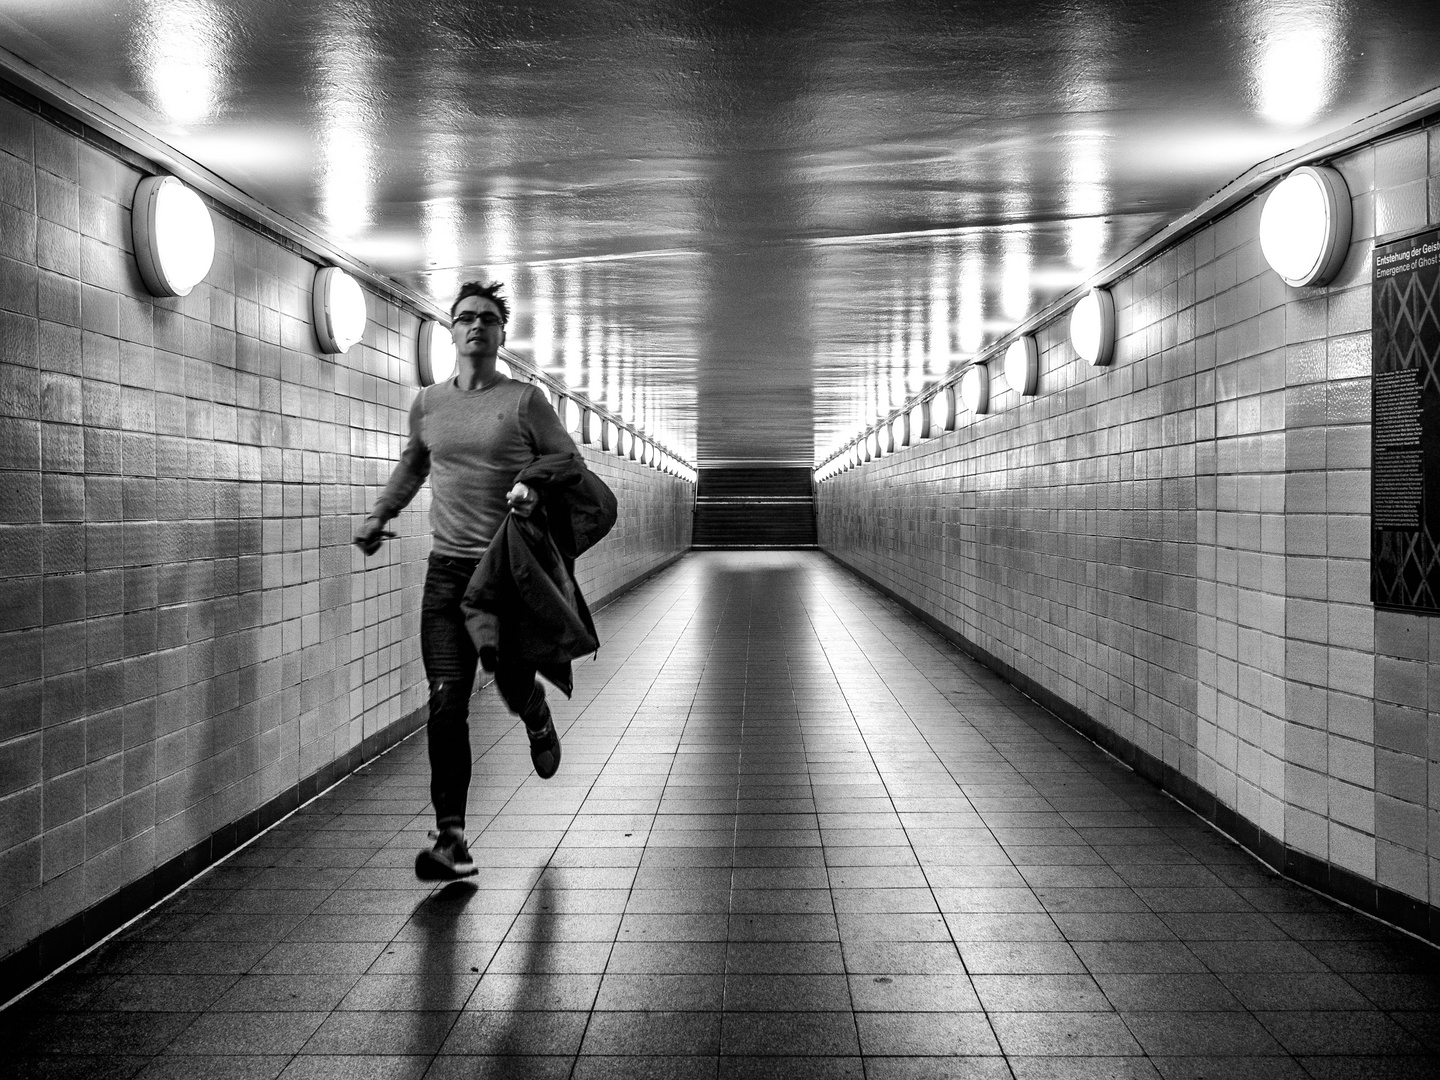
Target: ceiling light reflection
[(1294, 69), (347, 125), (1015, 266), (970, 315), (180, 49)]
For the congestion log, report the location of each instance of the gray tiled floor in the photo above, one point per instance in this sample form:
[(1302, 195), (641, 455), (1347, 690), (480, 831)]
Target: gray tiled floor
[(795, 834)]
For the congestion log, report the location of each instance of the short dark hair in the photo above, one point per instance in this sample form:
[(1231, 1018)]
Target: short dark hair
[(489, 292)]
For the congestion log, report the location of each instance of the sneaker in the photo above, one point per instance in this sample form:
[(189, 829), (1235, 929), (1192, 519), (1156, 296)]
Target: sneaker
[(448, 860), (544, 748)]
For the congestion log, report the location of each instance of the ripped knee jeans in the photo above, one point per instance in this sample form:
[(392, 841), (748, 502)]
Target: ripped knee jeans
[(450, 665)]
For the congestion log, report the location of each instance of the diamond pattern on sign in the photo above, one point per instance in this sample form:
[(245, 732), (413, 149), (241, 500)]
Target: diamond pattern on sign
[(1405, 336)]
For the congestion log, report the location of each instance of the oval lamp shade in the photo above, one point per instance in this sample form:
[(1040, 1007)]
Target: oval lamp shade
[(948, 405), (435, 353), (975, 389), (918, 424), (173, 234), (1305, 226), (1022, 366), (1092, 327), (339, 310)]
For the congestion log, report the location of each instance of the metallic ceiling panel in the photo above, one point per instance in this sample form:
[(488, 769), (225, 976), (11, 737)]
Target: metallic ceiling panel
[(748, 227)]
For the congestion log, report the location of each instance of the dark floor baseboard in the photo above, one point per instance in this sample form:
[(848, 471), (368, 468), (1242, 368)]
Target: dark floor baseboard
[(1407, 913), (665, 564), (61, 944)]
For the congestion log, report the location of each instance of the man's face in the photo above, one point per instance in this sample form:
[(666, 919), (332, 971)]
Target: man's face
[(476, 328)]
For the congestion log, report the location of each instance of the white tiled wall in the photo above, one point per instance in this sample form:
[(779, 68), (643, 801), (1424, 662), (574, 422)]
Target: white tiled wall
[(185, 630), (1178, 545)]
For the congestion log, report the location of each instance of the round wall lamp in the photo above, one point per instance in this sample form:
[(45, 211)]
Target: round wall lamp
[(944, 401), (918, 423), (1305, 226), (434, 353), (174, 236), (1022, 365), (1092, 327), (571, 418), (975, 389), (338, 306)]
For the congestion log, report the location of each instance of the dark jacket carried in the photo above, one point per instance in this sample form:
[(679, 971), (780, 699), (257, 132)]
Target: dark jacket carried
[(522, 603)]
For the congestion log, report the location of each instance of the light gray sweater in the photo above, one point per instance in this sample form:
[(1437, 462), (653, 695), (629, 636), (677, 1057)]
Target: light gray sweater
[(471, 443)]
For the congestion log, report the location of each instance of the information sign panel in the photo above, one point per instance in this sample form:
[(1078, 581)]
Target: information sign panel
[(1405, 424)]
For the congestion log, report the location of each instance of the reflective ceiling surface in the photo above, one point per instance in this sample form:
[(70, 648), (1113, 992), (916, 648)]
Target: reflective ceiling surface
[(748, 227)]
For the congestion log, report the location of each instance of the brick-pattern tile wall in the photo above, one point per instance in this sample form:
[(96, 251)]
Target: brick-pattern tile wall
[(1178, 545), (185, 630), (656, 513)]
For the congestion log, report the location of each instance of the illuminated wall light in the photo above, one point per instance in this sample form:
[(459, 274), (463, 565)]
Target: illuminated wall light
[(173, 234), (919, 423), (949, 413), (572, 416), (434, 353), (975, 389), (1022, 366), (338, 305), (1305, 226), (1092, 327)]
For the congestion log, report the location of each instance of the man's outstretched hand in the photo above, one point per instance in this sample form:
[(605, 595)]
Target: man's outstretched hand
[(371, 535)]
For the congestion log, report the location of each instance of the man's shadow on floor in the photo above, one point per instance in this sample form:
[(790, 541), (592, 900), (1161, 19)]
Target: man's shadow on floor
[(518, 1031)]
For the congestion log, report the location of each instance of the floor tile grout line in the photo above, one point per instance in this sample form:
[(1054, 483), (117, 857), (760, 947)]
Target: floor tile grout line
[(590, 1012), (1119, 1014), (476, 755), (965, 967), (960, 787), (1188, 844), (217, 864)]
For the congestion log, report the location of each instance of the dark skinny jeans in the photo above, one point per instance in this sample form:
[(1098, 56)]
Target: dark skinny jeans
[(450, 665)]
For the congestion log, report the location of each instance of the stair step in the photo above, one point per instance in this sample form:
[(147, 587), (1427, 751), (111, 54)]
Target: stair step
[(760, 506)]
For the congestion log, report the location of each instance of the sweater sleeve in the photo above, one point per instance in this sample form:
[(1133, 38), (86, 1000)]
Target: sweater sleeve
[(543, 428), (410, 471)]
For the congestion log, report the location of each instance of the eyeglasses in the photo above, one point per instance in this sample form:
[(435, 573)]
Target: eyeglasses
[(484, 318)]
